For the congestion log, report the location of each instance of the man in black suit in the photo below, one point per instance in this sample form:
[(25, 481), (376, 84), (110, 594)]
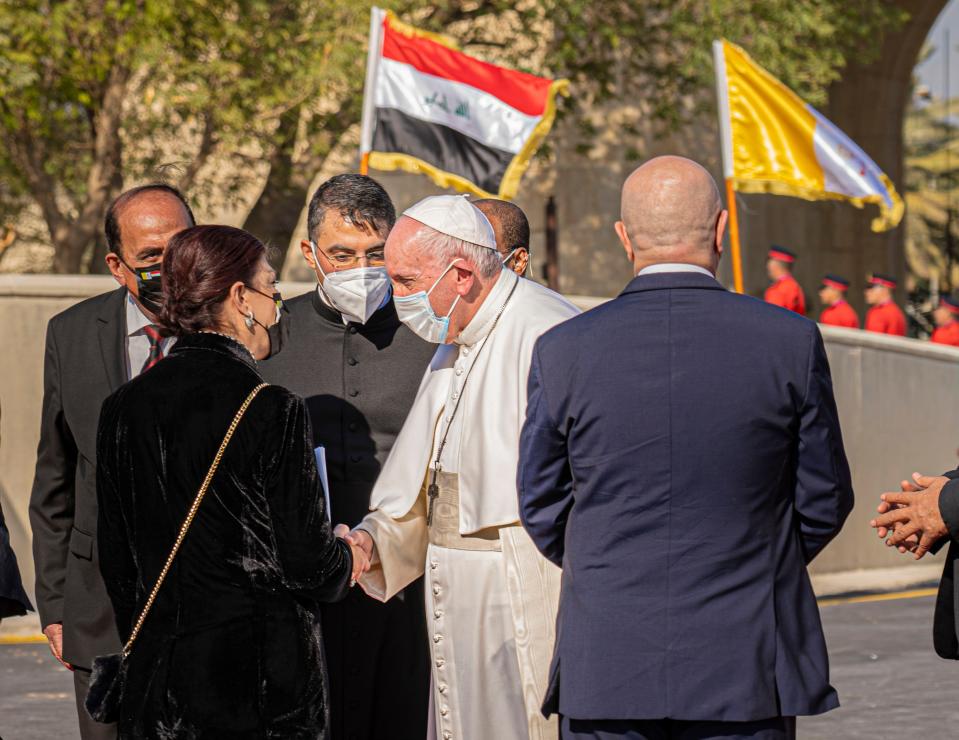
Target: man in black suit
[(358, 367), (922, 518), (91, 349), (682, 462)]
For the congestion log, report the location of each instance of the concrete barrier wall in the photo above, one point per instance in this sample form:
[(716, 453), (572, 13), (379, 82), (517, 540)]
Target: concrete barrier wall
[(898, 400), (899, 407)]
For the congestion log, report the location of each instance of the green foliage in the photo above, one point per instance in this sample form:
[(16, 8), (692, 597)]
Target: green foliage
[(182, 79), (658, 51), (97, 92)]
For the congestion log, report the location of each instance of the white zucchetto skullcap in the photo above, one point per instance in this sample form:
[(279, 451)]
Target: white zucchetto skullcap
[(454, 216)]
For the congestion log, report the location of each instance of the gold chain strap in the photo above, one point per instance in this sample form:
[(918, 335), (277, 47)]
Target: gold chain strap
[(190, 516)]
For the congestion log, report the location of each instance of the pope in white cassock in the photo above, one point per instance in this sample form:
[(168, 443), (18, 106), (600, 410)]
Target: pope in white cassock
[(445, 502)]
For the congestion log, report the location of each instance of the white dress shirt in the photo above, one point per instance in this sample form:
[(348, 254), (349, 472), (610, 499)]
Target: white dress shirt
[(138, 343), (673, 267)]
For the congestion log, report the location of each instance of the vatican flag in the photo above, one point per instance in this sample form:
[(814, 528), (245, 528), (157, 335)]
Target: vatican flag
[(773, 142)]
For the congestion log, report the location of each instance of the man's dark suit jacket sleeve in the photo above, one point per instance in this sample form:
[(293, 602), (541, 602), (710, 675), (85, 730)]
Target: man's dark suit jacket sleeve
[(52, 497), (949, 508), (824, 494), (544, 478)]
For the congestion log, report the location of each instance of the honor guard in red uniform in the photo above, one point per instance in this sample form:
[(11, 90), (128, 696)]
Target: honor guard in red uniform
[(884, 316), (784, 291), (946, 317), (837, 311)]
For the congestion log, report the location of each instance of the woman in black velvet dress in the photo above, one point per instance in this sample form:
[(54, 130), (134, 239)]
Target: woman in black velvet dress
[(231, 647)]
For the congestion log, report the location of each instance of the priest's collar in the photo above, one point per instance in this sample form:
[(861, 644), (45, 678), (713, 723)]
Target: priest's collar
[(480, 325)]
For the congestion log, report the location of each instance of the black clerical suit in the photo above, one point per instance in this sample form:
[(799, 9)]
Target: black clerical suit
[(359, 381), (84, 362)]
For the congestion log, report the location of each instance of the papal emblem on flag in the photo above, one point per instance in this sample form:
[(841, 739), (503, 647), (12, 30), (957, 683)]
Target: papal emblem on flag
[(465, 123)]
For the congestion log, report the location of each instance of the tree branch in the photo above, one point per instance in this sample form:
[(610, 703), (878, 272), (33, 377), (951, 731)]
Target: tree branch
[(107, 154), (208, 143)]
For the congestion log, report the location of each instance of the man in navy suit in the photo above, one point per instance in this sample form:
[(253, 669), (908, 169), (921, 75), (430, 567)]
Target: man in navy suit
[(682, 462)]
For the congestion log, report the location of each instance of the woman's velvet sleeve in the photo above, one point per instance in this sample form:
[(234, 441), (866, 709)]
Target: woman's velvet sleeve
[(117, 565), (312, 561)]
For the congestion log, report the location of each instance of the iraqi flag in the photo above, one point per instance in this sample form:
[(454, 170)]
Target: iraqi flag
[(465, 123)]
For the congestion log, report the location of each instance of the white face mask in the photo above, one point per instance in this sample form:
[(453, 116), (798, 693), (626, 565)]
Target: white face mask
[(356, 293), (417, 313)]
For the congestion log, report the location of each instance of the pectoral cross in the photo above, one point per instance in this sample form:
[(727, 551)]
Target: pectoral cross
[(432, 493)]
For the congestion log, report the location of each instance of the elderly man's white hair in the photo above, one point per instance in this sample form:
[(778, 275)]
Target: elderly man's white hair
[(447, 248)]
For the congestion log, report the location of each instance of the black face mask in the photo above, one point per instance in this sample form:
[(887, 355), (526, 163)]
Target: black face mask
[(149, 286), (275, 333)]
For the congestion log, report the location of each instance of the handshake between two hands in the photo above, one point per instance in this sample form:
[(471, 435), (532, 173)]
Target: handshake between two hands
[(909, 520), (361, 545)]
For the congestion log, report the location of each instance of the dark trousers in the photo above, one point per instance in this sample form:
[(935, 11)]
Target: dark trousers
[(89, 730), (378, 662), (775, 728)]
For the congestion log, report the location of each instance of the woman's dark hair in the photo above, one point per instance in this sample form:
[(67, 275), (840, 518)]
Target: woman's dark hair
[(200, 266)]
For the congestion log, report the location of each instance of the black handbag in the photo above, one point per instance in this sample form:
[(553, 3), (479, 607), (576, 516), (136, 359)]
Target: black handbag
[(109, 671)]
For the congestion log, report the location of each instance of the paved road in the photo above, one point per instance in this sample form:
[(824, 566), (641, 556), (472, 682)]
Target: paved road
[(889, 680)]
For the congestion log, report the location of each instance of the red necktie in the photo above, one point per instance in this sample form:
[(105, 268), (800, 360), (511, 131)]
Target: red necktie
[(152, 332)]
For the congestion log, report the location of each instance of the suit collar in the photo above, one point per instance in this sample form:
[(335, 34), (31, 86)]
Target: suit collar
[(670, 280), (112, 335)]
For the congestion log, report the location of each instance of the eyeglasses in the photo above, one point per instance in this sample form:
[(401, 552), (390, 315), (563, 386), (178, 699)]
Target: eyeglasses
[(373, 258), (275, 297)]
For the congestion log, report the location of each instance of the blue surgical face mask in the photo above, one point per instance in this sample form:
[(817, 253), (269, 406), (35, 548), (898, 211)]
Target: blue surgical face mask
[(417, 313)]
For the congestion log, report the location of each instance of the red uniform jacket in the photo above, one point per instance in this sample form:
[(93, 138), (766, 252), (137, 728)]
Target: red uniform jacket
[(948, 334), (886, 318), (786, 292), (839, 313)]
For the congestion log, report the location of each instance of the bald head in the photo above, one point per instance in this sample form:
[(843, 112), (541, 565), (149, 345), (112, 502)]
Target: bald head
[(672, 212)]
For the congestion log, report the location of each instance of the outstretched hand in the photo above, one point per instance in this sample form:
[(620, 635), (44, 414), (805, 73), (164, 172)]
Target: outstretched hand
[(909, 515), (361, 554)]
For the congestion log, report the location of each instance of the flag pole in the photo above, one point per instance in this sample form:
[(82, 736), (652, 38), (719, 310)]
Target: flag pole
[(734, 236), (369, 87), (725, 134)]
